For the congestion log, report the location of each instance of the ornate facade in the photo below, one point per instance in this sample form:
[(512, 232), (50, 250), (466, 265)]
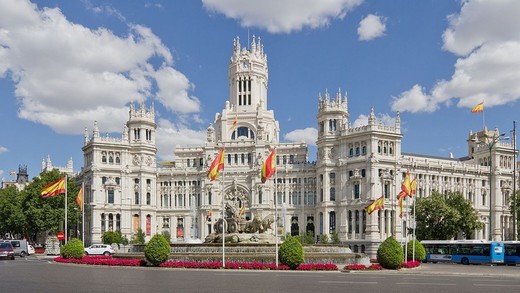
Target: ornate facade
[(126, 189)]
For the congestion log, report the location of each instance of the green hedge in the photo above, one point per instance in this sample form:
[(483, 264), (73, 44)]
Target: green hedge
[(420, 252), (73, 249), (291, 252), (390, 254), (157, 250)]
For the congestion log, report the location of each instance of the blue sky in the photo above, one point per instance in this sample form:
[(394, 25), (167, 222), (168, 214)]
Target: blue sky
[(64, 64)]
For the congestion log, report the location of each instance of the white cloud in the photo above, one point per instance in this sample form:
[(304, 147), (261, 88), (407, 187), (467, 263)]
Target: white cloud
[(282, 16), (170, 135), (1, 172), (381, 118), (485, 37), (307, 135), (371, 27), (414, 100), (3, 149), (67, 75)]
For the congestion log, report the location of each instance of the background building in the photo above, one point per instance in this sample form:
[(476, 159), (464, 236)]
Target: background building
[(126, 189)]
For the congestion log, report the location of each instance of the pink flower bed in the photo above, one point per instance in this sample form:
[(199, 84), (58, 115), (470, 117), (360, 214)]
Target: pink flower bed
[(218, 265), (317, 267), (110, 261), (360, 267), (411, 264), (102, 260)]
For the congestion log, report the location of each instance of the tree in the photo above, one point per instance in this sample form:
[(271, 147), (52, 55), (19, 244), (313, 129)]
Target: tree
[(439, 217), (12, 218), (468, 220), (48, 214), (139, 237)]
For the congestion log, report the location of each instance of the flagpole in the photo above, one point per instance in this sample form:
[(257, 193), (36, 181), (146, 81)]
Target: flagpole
[(83, 213), (66, 190), (276, 213), (414, 224), (223, 221)]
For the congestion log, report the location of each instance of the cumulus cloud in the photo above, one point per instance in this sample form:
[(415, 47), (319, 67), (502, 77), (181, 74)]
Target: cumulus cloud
[(371, 27), (170, 136), (381, 118), (3, 149), (282, 16), (67, 75), (485, 37), (308, 135)]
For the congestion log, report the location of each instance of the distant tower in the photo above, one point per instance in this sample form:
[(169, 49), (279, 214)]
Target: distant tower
[(22, 177), (332, 116), (247, 104)]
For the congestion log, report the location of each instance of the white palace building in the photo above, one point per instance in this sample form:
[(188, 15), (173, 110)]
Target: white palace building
[(127, 189)]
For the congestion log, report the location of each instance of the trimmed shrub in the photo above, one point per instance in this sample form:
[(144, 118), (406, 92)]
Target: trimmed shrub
[(167, 235), (111, 237), (73, 249), (324, 239), (138, 238), (308, 238), (390, 254), (420, 252), (334, 238), (291, 252), (157, 250)]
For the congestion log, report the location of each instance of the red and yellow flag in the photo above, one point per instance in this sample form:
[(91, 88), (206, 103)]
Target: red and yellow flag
[(242, 211), (478, 108), (400, 204), (413, 186), (269, 166), (79, 198), (234, 123), (54, 188), (377, 204), (405, 187), (216, 166)]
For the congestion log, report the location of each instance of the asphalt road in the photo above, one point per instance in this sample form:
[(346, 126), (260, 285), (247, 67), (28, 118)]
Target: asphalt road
[(34, 274)]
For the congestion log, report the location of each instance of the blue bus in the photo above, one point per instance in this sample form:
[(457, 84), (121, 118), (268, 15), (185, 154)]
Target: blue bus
[(512, 252), (464, 251)]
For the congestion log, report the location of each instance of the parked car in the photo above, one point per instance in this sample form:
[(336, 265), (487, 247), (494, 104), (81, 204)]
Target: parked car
[(99, 249), (20, 247), (6, 250), (30, 249)]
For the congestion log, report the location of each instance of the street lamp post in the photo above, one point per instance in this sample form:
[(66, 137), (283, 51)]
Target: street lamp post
[(490, 144)]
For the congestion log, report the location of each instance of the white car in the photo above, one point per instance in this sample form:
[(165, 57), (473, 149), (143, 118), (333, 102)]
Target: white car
[(30, 249), (99, 249)]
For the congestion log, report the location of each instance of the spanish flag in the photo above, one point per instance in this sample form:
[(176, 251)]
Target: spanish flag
[(377, 204), (54, 188), (234, 123), (406, 188), (216, 166), (478, 108), (242, 211), (269, 166), (79, 198), (400, 204)]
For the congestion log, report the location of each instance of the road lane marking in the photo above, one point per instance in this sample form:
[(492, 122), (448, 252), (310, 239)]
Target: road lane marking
[(497, 285), (434, 284), (348, 282)]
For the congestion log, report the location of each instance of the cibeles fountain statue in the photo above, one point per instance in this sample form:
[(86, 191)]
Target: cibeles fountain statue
[(237, 228)]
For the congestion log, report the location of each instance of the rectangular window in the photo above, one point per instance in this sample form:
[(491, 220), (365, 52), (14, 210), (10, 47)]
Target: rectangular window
[(356, 191), (332, 193), (110, 196), (148, 198)]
